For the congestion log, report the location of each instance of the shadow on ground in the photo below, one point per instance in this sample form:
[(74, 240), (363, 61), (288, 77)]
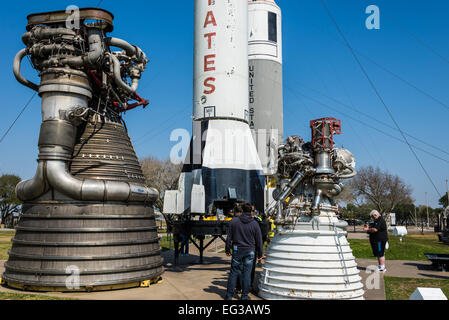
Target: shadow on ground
[(427, 267), (192, 262), (433, 276), (421, 266), (218, 286)]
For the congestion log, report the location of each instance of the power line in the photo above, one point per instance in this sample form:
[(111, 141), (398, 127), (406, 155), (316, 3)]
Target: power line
[(341, 83), (386, 70), (18, 116), (428, 47), (295, 93), (405, 81), (358, 120), (158, 132), (154, 129), (362, 122), (379, 96), (353, 108)]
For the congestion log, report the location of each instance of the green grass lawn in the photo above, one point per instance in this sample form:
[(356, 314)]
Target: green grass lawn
[(412, 247), (403, 288), (5, 243), (165, 244)]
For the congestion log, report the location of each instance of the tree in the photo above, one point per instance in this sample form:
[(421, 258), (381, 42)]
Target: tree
[(443, 201), (9, 203), (162, 175), (347, 195), (380, 188), (405, 212), (360, 212)]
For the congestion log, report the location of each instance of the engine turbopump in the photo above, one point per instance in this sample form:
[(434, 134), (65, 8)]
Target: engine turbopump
[(310, 174)]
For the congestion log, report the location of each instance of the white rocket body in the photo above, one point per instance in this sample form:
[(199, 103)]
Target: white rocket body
[(265, 80), (223, 162), (265, 30), (220, 62), (265, 84)]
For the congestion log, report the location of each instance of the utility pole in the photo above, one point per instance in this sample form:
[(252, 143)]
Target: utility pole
[(416, 219), (447, 189), (427, 208), (422, 222)]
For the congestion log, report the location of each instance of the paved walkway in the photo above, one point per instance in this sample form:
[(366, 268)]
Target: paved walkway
[(373, 283), (358, 235), (407, 269), (192, 281)]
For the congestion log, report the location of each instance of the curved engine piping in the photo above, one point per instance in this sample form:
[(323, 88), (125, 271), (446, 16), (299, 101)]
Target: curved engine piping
[(118, 77), (52, 171), (16, 69)]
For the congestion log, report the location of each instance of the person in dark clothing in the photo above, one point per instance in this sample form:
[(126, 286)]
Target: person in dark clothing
[(252, 288), (184, 246), (378, 236), (244, 241), (259, 220)]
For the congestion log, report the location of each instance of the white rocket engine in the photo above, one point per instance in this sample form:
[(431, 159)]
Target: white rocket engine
[(310, 257)]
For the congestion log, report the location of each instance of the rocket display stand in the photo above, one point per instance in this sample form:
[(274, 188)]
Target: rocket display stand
[(200, 229), (197, 229)]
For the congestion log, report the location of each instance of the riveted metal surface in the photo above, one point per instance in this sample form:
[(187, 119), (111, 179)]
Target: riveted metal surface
[(109, 244), (104, 151), (105, 247)]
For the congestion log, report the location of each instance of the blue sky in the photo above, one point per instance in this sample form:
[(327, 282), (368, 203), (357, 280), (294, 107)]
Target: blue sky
[(316, 67)]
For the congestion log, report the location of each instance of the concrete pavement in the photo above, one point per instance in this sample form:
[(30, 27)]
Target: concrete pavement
[(189, 281), (358, 235), (407, 269), (192, 281)]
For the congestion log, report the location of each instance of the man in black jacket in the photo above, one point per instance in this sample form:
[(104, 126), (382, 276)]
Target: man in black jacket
[(244, 240), (378, 236)]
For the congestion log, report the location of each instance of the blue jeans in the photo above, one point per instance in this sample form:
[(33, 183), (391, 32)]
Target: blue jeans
[(241, 266), (184, 245)]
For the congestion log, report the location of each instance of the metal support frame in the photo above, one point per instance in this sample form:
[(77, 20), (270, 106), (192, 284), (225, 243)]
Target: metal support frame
[(199, 229)]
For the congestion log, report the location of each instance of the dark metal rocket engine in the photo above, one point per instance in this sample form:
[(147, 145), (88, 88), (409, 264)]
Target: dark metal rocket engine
[(88, 221)]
